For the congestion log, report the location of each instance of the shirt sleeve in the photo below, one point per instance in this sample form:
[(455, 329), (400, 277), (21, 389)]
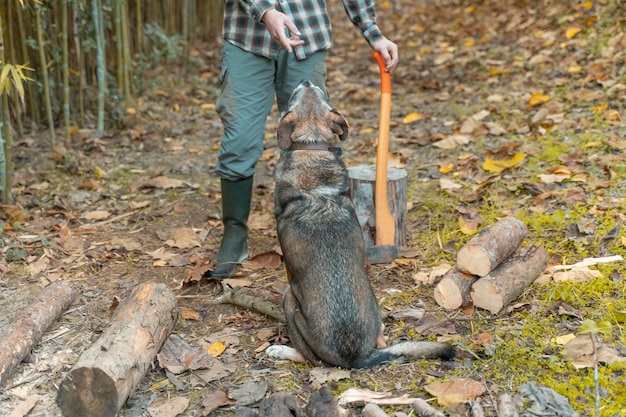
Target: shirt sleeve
[(363, 14), (256, 8)]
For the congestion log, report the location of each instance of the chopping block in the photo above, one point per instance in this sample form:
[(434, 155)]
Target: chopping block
[(362, 193)]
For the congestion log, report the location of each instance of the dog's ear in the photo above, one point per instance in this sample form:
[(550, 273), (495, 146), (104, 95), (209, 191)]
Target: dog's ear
[(285, 128), (339, 124)]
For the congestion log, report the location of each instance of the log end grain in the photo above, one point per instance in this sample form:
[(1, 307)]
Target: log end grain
[(448, 295), (474, 260), (88, 392), (487, 296)]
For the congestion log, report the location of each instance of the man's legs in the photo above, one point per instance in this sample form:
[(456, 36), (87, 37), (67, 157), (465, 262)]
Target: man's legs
[(290, 73), (247, 96)]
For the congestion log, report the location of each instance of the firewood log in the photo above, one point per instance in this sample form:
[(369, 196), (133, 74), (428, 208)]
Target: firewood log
[(504, 284), (25, 330), (454, 289), (492, 245), (110, 370)]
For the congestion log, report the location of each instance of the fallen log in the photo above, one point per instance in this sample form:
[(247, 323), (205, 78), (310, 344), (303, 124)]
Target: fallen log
[(492, 245), (25, 330), (505, 283), (453, 290), (110, 370)]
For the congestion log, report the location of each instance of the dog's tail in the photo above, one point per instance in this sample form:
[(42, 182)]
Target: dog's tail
[(406, 351)]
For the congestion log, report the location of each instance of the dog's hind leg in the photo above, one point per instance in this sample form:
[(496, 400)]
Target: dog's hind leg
[(286, 353), (292, 308)]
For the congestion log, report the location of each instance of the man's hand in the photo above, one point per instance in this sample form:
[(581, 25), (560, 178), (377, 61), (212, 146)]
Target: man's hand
[(389, 52), (276, 22)]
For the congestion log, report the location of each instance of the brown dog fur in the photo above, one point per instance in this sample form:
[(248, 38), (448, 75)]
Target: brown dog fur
[(332, 313)]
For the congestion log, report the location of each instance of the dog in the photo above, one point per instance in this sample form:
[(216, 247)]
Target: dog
[(332, 314)]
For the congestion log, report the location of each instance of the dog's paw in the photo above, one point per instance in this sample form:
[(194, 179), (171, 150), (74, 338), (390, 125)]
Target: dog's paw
[(285, 353)]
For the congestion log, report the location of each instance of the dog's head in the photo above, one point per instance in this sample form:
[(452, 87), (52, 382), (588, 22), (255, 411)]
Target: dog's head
[(309, 118)]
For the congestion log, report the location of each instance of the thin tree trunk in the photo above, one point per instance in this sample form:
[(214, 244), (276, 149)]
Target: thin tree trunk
[(44, 75), (139, 29), (32, 101), (12, 56), (118, 46), (101, 68), (126, 53), (66, 72), (5, 131)]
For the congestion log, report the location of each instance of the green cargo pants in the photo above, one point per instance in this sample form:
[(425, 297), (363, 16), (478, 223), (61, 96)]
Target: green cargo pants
[(249, 85)]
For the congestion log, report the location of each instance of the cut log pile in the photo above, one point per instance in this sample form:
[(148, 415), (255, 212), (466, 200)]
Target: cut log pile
[(492, 269)]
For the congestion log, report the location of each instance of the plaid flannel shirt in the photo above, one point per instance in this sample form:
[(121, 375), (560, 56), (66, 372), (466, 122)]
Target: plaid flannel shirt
[(243, 27)]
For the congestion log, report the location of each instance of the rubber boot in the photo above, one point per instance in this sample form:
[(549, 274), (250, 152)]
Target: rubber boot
[(236, 199)]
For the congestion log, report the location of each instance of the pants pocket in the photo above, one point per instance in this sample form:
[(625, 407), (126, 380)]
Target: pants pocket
[(226, 103)]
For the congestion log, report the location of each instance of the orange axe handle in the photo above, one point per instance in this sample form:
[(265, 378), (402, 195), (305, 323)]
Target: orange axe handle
[(385, 223)]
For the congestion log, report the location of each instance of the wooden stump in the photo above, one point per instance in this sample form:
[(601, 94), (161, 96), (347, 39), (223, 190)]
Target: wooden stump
[(362, 184), (491, 246), (454, 289), (24, 331), (109, 371), (504, 284)]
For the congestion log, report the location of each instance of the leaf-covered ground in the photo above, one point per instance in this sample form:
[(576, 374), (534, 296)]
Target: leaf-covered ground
[(499, 108)]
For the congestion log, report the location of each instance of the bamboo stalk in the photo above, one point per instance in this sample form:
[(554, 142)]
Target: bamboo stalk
[(118, 46), (66, 71), (5, 132), (44, 74), (126, 53), (12, 56), (80, 64), (5, 129), (31, 102), (185, 31), (139, 28), (100, 66)]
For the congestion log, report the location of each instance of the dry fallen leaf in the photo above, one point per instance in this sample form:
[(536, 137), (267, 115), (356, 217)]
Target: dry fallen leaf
[(411, 117), (216, 348), (538, 99), (162, 182), (468, 225), (184, 238), (497, 166), (96, 215), (250, 392), (214, 400), (456, 390), (189, 314), (177, 356), (572, 32), (453, 141), (321, 376), (168, 407), (269, 260)]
